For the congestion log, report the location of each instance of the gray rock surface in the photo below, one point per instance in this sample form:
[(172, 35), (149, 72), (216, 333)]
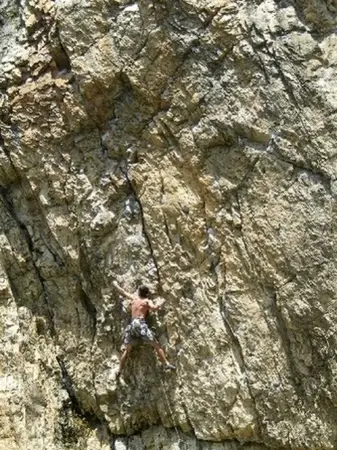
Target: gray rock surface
[(189, 145)]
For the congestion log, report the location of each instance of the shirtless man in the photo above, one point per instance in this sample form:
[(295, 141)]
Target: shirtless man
[(138, 329)]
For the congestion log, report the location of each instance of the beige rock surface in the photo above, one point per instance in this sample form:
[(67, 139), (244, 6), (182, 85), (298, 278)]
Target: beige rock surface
[(190, 145)]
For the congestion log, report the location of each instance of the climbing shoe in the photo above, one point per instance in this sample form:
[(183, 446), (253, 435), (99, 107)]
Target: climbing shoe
[(169, 366), (120, 380)]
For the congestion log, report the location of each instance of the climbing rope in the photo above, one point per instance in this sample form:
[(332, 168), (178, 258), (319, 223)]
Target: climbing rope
[(170, 412)]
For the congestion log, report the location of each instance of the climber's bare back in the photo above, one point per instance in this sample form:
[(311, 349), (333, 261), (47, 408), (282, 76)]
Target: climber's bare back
[(139, 307)]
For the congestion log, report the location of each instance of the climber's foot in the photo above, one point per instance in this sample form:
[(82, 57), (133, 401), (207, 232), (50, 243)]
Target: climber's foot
[(169, 366)]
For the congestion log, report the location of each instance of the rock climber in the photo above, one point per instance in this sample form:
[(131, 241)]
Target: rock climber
[(138, 328)]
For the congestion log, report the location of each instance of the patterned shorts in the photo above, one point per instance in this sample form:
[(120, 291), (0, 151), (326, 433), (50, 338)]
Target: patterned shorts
[(136, 330)]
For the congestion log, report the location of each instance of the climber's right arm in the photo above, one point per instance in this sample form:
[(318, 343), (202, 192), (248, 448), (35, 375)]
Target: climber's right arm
[(154, 307), (122, 291)]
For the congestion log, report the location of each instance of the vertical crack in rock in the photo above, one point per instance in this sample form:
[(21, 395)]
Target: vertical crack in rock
[(238, 353), (166, 227), (91, 311), (185, 409), (247, 175), (92, 419), (89, 417), (282, 328), (168, 135), (276, 62), (243, 238), (271, 53), (85, 298), (90, 308), (167, 231), (261, 63), (59, 260), (235, 192), (69, 387), (146, 235), (59, 53), (30, 245), (286, 83)]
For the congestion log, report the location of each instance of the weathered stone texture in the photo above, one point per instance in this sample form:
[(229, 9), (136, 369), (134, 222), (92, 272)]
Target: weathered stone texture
[(191, 145)]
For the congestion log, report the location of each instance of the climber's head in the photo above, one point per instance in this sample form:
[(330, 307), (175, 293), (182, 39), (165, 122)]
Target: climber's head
[(143, 292)]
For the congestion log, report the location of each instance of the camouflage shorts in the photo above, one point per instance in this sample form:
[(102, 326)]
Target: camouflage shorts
[(137, 330)]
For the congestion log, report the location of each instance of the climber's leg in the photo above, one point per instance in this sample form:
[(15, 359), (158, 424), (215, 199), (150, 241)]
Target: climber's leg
[(124, 357), (161, 355)]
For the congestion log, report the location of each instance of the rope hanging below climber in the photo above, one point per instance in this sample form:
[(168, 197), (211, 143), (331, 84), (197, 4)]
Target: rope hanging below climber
[(136, 330)]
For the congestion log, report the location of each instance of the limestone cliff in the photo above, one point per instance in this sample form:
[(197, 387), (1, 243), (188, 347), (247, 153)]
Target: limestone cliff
[(189, 145)]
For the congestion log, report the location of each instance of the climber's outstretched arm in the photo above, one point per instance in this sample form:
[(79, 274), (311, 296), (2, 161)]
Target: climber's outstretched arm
[(122, 291), (155, 307)]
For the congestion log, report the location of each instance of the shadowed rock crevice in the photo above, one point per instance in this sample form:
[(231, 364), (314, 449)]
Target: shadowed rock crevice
[(91, 310), (147, 237), (59, 52), (6, 201), (90, 420)]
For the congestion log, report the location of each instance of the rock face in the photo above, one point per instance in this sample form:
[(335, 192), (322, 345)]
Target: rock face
[(189, 145)]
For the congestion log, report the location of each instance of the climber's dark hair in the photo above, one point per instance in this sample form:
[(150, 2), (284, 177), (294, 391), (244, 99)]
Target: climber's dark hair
[(143, 291)]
